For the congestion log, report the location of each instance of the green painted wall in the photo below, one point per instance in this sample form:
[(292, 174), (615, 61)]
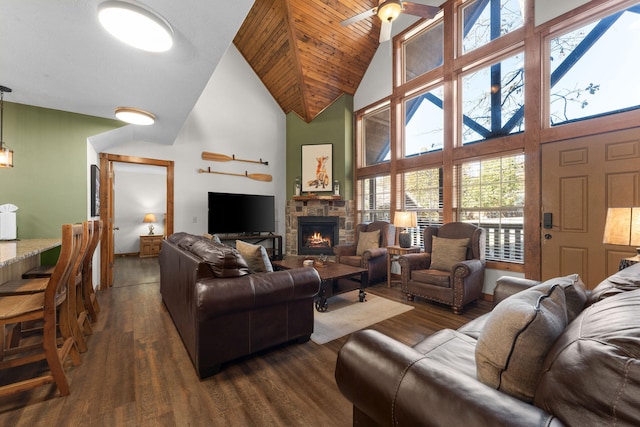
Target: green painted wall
[(48, 182), (334, 125)]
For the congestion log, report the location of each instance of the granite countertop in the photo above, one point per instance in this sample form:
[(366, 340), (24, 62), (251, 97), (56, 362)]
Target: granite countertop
[(17, 250)]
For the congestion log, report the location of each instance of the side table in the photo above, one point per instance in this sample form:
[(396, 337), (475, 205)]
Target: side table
[(150, 245), (394, 252)]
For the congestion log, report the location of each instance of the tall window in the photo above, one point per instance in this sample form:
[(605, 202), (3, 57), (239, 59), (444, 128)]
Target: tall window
[(423, 194), (491, 195), (592, 71), (375, 199), (457, 113)]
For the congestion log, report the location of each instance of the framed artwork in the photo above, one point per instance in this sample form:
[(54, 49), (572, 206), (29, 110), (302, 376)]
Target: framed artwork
[(317, 167), (95, 190)]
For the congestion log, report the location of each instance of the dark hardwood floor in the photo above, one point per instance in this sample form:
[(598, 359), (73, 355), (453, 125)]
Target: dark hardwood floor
[(137, 372)]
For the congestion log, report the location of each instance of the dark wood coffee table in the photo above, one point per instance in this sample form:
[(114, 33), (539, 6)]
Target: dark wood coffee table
[(329, 279)]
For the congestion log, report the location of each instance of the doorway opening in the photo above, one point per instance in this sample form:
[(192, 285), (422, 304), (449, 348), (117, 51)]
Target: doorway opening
[(107, 162)]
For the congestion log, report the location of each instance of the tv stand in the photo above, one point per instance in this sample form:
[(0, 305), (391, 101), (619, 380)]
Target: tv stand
[(275, 251)]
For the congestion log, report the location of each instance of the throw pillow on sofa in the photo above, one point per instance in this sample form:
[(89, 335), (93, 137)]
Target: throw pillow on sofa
[(591, 375), (255, 256), (516, 338), (223, 260), (213, 237), (367, 240), (575, 293)]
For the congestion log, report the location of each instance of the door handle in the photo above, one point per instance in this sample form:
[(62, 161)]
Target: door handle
[(116, 228), (548, 236)]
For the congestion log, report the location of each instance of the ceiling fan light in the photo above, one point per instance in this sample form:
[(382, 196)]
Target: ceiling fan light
[(136, 26), (389, 10), (135, 116)]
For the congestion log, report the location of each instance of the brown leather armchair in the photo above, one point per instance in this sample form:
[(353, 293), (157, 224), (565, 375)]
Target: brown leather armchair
[(457, 285), (373, 259)]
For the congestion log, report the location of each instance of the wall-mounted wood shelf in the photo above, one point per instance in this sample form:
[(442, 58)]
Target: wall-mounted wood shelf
[(316, 197), (305, 199)]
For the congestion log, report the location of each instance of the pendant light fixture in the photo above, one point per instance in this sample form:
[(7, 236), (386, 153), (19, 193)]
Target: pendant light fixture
[(6, 155), (136, 26), (135, 116)]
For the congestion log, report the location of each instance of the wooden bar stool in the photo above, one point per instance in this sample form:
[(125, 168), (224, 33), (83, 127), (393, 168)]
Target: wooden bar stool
[(89, 297), (35, 285), (44, 306)]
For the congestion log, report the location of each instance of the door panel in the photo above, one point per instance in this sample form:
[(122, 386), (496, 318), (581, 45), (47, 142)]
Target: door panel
[(581, 178)]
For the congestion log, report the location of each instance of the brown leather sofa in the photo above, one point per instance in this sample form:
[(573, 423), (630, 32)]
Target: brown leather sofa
[(221, 311), (584, 372)]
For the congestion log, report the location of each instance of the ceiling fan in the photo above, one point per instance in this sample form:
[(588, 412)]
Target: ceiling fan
[(389, 10)]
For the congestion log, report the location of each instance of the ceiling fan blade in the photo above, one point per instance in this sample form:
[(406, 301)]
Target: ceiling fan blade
[(359, 17), (421, 10), (385, 31)]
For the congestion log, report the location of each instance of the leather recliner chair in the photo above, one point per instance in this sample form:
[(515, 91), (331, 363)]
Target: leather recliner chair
[(373, 259), (456, 286)]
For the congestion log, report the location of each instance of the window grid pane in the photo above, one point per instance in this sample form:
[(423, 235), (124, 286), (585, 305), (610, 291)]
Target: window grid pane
[(491, 195), (424, 123), (487, 20), (423, 52), (493, 100), (592, 72), (423, 194), (376, 199), (377, 135)]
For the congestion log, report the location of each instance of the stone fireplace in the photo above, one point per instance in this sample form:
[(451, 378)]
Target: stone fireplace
[(317, 234), (340, 212)]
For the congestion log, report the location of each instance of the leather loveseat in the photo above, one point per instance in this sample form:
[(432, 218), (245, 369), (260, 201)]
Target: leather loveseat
[(223, 312), (550, 354)]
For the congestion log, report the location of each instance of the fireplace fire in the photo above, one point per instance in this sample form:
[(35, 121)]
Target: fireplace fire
[(317, 235), (317, 240)]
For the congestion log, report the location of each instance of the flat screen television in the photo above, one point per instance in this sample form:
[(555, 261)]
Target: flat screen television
[(241, 213)]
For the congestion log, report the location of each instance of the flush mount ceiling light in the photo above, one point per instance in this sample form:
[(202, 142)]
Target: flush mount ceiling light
[(135, 116), (136, 26)]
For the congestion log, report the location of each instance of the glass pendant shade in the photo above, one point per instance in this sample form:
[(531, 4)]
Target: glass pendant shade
[(6, 157), (389, 10), (6, 154)]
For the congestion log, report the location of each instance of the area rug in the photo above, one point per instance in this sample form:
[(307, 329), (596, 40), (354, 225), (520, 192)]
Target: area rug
[(346, 315)]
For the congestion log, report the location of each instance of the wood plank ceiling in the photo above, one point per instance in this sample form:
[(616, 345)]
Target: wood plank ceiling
[(302, 54)]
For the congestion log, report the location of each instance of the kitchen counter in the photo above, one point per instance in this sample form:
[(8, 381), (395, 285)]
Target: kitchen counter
[(18, 256)]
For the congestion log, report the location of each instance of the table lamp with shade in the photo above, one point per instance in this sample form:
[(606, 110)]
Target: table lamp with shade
[(150, 219), (405, 220), (622, 227)]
